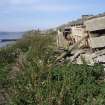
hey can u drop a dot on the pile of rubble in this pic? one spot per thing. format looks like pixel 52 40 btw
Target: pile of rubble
pixel 84 40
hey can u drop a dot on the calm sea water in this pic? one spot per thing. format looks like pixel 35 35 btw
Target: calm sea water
pixel 9 36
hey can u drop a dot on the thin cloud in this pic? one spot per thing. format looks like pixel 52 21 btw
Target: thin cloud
pixel 40 8
pixel 44 13
pixel 36 5
pixel 54 8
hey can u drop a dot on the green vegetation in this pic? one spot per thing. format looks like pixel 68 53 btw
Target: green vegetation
pixel 29 76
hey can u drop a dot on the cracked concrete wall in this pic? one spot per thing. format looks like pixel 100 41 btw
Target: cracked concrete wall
pixel 61 41
pixel 94 24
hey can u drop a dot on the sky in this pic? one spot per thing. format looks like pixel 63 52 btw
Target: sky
pixel 23 15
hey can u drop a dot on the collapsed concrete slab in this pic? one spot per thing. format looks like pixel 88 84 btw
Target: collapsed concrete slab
pixel 95 27
pixel 88 33
pixel 95 23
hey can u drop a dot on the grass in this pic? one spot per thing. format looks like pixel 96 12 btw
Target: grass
pixel 38 81
pixel 62 85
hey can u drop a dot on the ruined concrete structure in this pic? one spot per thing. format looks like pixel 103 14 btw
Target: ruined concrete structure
pixel 93 26
pixel 87 35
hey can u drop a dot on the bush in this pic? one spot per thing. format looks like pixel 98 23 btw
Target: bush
pixel 67 85
pixel 40 82
pixel 8 55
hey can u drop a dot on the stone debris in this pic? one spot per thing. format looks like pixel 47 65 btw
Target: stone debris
pixel 83 40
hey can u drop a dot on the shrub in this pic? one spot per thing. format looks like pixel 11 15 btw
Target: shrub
pixel 8 55
pixel 67 85
pixel 41 82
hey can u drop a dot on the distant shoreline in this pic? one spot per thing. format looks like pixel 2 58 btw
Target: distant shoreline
pixel 11 33
pixel 7 38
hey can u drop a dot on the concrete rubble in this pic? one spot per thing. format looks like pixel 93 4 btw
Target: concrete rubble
pixel 84 39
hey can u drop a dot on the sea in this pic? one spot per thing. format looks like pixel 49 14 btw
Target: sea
pixel 9 36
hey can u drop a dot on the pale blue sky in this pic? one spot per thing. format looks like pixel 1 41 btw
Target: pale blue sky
pixel 21 15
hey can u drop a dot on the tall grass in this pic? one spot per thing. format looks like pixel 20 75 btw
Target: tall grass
pixel 63 85
pixel 40 82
